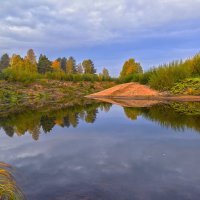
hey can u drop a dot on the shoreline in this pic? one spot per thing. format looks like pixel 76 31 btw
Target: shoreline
pixel 136 91
pixel 156 98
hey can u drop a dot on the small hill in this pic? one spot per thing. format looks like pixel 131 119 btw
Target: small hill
pixel 126 90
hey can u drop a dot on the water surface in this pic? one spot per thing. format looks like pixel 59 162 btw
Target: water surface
pixel 103 151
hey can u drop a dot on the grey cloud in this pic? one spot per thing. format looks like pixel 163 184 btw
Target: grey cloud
pixel 65 23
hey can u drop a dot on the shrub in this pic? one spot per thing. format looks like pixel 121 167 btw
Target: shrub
pixel 8 186
pixel 22 76
pixel 190 86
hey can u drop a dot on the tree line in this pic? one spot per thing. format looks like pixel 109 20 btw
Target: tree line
pixel 163 77
pixel 28 68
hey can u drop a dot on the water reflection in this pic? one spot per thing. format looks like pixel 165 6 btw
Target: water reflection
pixel 33 121
pixel 101 151
pixel 177 116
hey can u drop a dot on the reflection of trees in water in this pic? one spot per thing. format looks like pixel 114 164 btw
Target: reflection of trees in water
pixel 35 132
pixel 177 116
pixel 105 106
pixel 9 130
pixel 132 113
pixel 47 123
pixel 33 121
pixel 91 116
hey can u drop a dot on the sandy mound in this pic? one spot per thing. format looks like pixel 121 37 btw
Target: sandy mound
pixel 126 90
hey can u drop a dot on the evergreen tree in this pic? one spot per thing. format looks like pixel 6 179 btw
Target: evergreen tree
pixel 4 62
pixel 88 67
pixel 47 123
pixel 71 65
pixel 44 64
pixel 63 63
pixel 9 130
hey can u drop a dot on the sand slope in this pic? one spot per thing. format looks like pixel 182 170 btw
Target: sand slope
pixel 126 90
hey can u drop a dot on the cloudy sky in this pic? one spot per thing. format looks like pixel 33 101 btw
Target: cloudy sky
pixel 107 31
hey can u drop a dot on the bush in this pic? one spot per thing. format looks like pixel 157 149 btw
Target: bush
pixel 190 86
pixel 166 76
pixel 22 76
pixel 10 74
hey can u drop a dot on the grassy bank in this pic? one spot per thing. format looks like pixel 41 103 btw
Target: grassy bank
pixel 17 95
pixel 167 76
pixel 189 86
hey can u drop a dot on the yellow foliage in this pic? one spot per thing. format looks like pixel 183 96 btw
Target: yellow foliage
pixel 56 65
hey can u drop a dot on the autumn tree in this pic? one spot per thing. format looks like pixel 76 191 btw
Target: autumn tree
pixel 56 65
pixel 35 132
pixel 88 67
pixel 105 73
pixel 16 62
pixel 29 66
pixel 23 66
pixel 21 69
pixel 130 67
pixel 71 65
pixel 44 64
pixel 31 56
pixel 4 62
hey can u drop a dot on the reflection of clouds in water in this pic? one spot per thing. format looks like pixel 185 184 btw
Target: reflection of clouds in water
pixel 70 166
pixel 107 163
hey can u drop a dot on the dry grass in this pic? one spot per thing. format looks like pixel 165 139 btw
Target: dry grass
pixel 9 189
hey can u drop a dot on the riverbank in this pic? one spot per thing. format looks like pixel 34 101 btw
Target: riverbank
pixel 16 96
pixel 136 91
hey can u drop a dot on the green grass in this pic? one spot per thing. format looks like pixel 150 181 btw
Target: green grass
pixel 17 95
pixel 190 86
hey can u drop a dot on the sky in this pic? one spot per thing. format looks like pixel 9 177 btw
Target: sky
pixel 106 31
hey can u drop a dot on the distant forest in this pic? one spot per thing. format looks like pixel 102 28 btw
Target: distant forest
pixel 16 68
pixel 29 69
